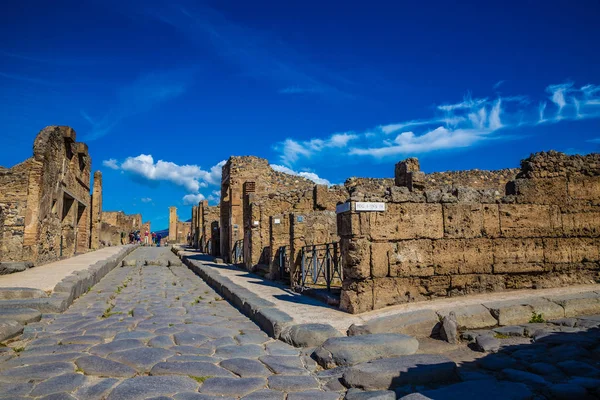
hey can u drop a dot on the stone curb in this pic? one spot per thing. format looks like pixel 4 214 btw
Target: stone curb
pixel 262 312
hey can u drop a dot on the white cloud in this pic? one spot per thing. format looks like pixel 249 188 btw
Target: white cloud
pixel 215 197
pixel 146 199
pixel 193 199
pixel 191 177
pixel 308 175
pixel 111 163
pixel 292 150
pixel 456 125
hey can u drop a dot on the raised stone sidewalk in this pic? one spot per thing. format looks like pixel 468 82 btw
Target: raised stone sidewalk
pixel 417 319
pixel 24 296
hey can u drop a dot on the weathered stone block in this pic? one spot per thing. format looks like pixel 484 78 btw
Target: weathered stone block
pixel 478 257
pixel 470 220
pixel 357 255
pixel 380 259
pixel 510 312
pixel 476 283
pixel 530 220
pixel 540 191
pixel 389 291
pixel 357 297
pixel 582 221
pixel 412 258
pixel 471 317
pixel 448 254
pixel 584 187
pixel 556 250
pixel 517 251
pixel 415 323
pixel 407 221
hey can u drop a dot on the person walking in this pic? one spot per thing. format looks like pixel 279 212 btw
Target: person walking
pixel 146 238
pixel 158 238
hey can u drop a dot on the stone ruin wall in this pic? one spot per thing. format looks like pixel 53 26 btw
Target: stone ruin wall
pixel 541 231
pixel 116 227
pixel 46 200
pixel 209 231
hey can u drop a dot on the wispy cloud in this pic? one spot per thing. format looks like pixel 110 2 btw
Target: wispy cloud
pixel 146 200
pixel 24 78
pixel 498 84
pixel 455 125
pixel 305 174
pixel 192 199
pixel 255 53
pixel 140 96
pixel 291 150
pixel 111 163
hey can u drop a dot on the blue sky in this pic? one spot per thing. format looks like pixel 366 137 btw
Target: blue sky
pixel 164 91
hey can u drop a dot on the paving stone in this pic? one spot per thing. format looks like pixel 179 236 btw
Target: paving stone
pixel 389 373
pixel 564 322
pixel 97 366
pixel 143 387
pixel 354 394
pixel 487 344
pixel 245 367
pixel 134 335
pixel 313 395
pixel 9 329
pixel 340 351
pixel 43 359
pixel 525 377
pixel 191 350
pixel 36 372
pixel 21 315
pixel 61 383
pixel 578 304
pixel 497 362
pixel 232 386
pixel 58 396
pixel 193 368
pixel 567 391
pixel 546 370
pixel 518 331
pixel 487 389
pixel 141 359
pixel 15 389
pixel 243 351
pixel 84 339
pixel 190 339
pixel 18 293
pixel 264 394
pixel 471 317
pixel 96 390
pixel 292 383
pixel 308 335
pixel 116 345
pixel 578 368
pixel 252 338
pixel 162 341
pixel 284 365
pixel 416 323
pixel 198 396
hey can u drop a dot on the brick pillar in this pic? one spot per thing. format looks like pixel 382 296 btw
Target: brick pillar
pixel 172 225
pixel 96 217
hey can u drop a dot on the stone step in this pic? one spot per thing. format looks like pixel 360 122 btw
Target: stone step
pixel 13 293
pixel 21 315
pixel 417 323
pixel 390 373
pixel 352 350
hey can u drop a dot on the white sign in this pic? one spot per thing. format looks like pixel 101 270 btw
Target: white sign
pixel 276 221
pixel 342 208
pixel 369 206
pixel 256 223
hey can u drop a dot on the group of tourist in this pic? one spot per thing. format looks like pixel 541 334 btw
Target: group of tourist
pixel 147 238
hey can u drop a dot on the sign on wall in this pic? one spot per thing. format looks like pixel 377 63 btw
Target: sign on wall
pixel 369 206
pixel 342 208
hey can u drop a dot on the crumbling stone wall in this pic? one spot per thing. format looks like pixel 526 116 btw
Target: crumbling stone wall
pixel 542 231
pixel 209 235
pixel 116 227
pixel 46 200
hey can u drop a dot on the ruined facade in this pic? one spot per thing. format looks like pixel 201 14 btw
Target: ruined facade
pixel 205 228
pixel 178 230
pixel 45 200
pixel 116 227
pixel 265 213
pixel 449 234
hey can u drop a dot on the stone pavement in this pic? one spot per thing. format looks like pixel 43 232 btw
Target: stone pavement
pixel 46 277
pixel 155 331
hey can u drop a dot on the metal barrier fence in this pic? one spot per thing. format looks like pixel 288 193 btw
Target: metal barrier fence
pixel 237 254
pixel 321 263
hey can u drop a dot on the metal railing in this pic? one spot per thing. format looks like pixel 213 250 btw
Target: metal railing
pixel 321 265
pixel 237 254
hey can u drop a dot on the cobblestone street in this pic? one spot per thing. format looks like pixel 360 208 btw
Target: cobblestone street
pixel 154 331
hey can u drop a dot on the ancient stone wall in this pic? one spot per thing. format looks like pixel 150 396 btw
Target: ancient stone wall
pixel 209 235
pixel 173 224
pixel 116 227
pixel 46 200
pixel 543 231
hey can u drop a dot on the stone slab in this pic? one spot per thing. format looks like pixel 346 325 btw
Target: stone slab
pixel 414 323
pixel 21 315
pixel 481 389
pixel 17 293
pixel 389 373
pixel 475 316
pixel 308 335
pixel 352 350
pixel 9 329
